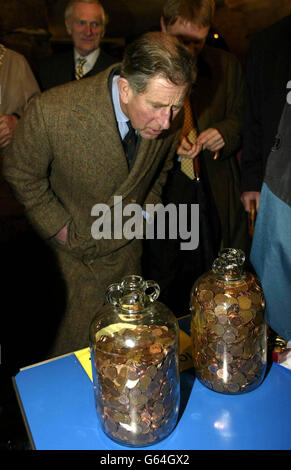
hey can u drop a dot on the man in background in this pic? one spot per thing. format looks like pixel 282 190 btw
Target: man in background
pixel 18 86
pixel 215 109
pixel 268 72
pixel 85 22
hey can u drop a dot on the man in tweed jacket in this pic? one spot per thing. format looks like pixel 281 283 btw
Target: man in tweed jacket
pixel 67 156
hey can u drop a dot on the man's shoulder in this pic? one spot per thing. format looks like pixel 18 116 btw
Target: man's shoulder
pixel 215 56
pixel 77 91
pixel 57 59
pixel 15 58
pixel 14 54
pixel 107 58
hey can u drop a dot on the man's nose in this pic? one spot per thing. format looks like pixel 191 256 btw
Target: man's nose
pixel 165 118
pixel 88 29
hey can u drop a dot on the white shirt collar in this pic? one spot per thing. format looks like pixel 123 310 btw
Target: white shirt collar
pixel 90 59
pixel 121 118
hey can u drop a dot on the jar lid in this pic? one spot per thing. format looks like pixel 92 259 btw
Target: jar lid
pixel 133 293
pixel 229 264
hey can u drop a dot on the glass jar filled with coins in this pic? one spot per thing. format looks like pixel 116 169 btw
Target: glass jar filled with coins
pixel 228 331
pixel 134 353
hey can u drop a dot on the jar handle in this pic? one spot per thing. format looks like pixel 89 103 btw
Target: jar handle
pixel 156 290
pixel 113 293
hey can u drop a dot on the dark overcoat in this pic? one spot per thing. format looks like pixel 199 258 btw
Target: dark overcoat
pixel 59 69
pixel 217 101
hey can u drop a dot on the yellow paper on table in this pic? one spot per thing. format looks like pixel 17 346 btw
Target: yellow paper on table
pixel 185 353
pixel 185 358
pixel 84 357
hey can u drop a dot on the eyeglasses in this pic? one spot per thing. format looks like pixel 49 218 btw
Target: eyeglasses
pixel 189 41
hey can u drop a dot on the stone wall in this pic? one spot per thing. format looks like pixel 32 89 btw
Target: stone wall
pixel 24 27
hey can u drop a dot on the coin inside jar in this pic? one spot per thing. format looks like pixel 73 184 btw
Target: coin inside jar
pixel 144 385
pixel 220 310
pixel 244 302
pixel 221 349
pixel 205 295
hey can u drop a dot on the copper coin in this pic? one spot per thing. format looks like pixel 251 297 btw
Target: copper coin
pixel 244 302
pixel 255 298
pixel 235 320
pixel 243 332
pixel 218 329
pixel 155 348
pixel 229 337
pixel 157 332
pixel 233 309
pixel 110 372
pixel 246 316
pixel 238 378
pixel 142 400
pixel 222 319
pixel 220 299
pixel 210 316
pixel 230 301
pixel 236 350
pixel 220 310
pixel 232 388
pixel 205 295
pixel 144 382
pixel 123 399
pixel 135 392
pixel 132 374
pixel 110 425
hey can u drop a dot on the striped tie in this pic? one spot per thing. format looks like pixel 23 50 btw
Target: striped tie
pixel 79 73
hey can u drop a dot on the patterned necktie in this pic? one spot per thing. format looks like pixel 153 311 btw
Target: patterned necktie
pixel 129 144
pixel 189 166
pixel 79 73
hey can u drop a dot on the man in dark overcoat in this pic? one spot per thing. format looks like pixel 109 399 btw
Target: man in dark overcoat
pixel 85 22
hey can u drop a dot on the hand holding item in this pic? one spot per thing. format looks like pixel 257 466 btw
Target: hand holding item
pixel 187 148
pixel 249 196
pixel 211 139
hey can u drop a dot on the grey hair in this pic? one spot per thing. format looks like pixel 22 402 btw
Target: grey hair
pixel 153 54
pixel 71 3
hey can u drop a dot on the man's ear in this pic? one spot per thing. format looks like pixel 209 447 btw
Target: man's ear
pixel 68 27
pixel 163 26
pixel 124 90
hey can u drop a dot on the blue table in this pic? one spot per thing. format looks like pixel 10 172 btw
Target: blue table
pixel 57 403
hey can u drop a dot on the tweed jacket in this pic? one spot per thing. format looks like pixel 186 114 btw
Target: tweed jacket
pixel 66 157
